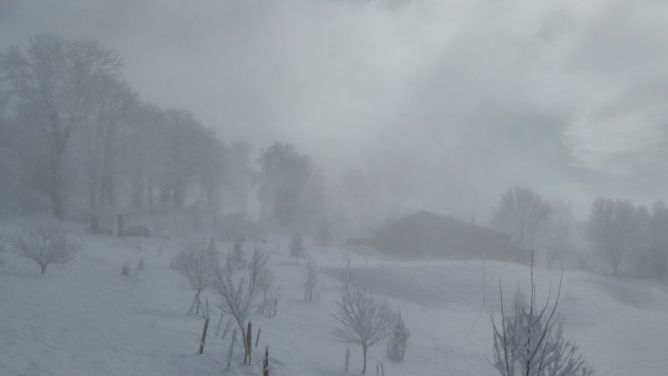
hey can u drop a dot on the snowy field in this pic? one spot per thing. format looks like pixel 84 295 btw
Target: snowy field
pixel 89 320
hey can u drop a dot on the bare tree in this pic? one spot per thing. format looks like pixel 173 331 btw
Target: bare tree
pixel 113 102
pixel 46 244
pixel 365 320
pixel 558 238
pixel 521 214
pixel 54 79
pixel 240 291
pixel 297 247
pixel 529 340
pixel 611 229
pixel 283 176
pixel 659 235
pixel 312 281
pixel 197 264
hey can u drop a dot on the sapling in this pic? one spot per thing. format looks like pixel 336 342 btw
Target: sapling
pixel 46 244
pixel 365 320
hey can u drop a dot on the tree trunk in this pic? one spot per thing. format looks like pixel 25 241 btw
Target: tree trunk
pixel 265 364
pixel 203 340
pixel 194 307
pixel 230 350
pixel 364 349
pixel 249 344
pixel 108 170
pixel 57 145
pixel 43 268
pixel 197 304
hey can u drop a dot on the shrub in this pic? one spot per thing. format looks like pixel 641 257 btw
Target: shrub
pixel 45 245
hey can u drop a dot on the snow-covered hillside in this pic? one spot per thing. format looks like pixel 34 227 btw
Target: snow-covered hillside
pixel 89 320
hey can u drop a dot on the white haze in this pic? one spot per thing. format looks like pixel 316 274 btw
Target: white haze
pixel 449 102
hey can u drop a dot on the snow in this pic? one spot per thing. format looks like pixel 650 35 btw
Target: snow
pixel 87 319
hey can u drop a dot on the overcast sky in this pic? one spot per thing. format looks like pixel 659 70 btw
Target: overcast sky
pixel 462 97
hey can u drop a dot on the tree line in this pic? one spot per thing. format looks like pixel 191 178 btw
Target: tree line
pixel 618 232
pixel 75 137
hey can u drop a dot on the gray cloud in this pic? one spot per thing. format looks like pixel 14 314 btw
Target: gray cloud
pixel 465 97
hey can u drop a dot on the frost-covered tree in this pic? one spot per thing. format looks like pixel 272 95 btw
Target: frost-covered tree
pixel 659 241
pixel 559 234
pixel 240 290
pixel 197 264
pixel 364 320
pixel 312 281
pixel 521 214
pixel 297 250
pixel 113 102
pixel 46 244
pixel 283 176
pixel 612 229
pixel 529 340
pixel 54 80
pixel 398 341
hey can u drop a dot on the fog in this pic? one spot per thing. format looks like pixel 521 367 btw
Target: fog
pixel 333 187
pixel 469 96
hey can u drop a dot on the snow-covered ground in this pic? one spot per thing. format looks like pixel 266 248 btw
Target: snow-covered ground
pixel 89 320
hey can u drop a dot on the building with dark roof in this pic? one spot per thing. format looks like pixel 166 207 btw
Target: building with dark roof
pixel 431 235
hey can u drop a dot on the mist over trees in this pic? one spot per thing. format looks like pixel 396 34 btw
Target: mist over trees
pixel 559 237
pixel 76 139
pixel 345 183
pixel 611 229
pixel 54 82
pixel 521 214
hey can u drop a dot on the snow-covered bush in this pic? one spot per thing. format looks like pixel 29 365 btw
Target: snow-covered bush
pixel 197 263
pixel 529 340
pixel 365 320
pixel 398 341
pixel 45 244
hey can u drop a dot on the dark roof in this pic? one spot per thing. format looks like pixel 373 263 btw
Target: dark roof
pixel 428 234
